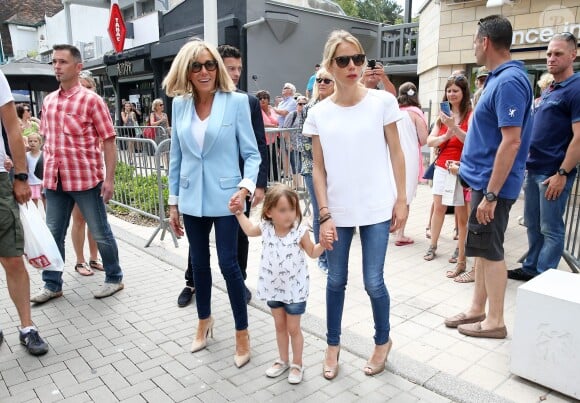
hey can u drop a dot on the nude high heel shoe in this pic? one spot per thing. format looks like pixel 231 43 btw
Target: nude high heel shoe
pixel 242 356
pixel 204 329
pixel 373 369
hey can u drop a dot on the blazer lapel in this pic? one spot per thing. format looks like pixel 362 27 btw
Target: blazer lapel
pixel 186 123
pixel 216 119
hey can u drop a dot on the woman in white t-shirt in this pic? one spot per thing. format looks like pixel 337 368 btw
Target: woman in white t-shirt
pixel 357 183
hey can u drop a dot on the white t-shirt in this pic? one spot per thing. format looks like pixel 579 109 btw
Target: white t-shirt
pixel 359 179
pixel 5 97
pixel 198 129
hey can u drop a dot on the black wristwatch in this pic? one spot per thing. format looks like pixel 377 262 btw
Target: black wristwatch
pixel 21 177
pixel 490 197
pixel 562 172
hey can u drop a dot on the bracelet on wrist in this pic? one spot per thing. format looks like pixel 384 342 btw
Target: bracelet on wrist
pixel 324 218
pixel 322 208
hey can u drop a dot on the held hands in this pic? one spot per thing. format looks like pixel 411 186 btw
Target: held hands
pixel 328 234
pixel 174 222
pixel 237 202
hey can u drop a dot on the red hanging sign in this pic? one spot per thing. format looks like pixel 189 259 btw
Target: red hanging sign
pixel 117 29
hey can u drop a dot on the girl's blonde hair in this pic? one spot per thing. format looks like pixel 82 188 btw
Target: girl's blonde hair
pixel 334 39
pixel 35 135
pixel 177 80
pixel 321 73
pixel 274 194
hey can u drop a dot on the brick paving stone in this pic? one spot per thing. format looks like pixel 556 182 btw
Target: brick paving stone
pixel 135 390
pixel 63 378
pixel 52 359
pixel 211 396
pixel 145 375
pixel 114 381
pixel 81 387
pixel 167 383
pixel 77 365
pixel 125 367
pixel 48 393
pixel 13 376
pixel 80 398
pixel 29 385
pixel 157 396
pixel 102 394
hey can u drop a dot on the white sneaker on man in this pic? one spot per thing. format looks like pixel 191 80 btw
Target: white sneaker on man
pixel 45 295
pixel 108 289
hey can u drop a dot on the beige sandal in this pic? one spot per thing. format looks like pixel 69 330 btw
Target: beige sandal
pixel 459 268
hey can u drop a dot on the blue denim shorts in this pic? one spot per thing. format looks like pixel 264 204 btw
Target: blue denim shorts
pixel 296 308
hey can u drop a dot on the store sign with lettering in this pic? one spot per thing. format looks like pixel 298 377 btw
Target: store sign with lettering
pixel 125 68
pixel 542 35
pixel 117 29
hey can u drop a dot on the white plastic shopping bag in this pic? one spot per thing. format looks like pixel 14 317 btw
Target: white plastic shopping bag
pixel 452 192
pixel 39 245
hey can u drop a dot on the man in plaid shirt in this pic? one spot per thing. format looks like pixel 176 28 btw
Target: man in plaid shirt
pixel 75 121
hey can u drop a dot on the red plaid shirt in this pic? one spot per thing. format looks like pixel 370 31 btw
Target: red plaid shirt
pixel 73 124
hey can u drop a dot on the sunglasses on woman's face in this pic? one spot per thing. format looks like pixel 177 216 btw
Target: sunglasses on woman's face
pixel 343 61
pixel 210 65
pixel 323 80
pixel 301 103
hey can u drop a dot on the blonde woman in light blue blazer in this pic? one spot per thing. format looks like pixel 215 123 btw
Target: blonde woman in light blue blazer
pixel 211 129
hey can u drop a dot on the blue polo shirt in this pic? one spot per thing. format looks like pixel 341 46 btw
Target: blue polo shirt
pixel 505 102
pixel 559 108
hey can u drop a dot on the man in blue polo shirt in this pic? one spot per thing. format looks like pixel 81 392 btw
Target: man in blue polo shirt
pixel 492 164
pixel 551 165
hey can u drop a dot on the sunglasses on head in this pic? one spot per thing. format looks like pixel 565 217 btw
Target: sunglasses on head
pixel 210 65
pixel 26 110
pixel 323 80
pixel 458 77
pixel 343 61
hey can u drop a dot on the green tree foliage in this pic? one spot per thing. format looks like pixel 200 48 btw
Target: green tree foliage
pixel 349 7
pixel 385 11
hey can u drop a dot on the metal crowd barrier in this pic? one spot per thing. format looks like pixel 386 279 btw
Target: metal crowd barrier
pixel 143 164
pixel 572 222
pixel 285 163
pixel 141 175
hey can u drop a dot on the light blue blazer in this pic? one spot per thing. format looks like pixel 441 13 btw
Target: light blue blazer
pixel 202 181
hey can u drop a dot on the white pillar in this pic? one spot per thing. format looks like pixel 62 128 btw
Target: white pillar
pixel 210 22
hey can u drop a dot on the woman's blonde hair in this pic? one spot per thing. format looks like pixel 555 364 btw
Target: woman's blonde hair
pixel 177 80
pixel 545 80
pixel 90 80
pixel 156 102
pixel 274 194
pixel 321 73
pixel 334 39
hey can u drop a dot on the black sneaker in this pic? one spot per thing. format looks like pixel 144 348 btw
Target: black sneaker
pixel 248 295
pixel 519 274
pixel 185 297
pixel 33 342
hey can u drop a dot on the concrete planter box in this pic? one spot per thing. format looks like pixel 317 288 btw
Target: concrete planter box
pixel 546 336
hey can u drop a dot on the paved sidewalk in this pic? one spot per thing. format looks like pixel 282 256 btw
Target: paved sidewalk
pixel 134 346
